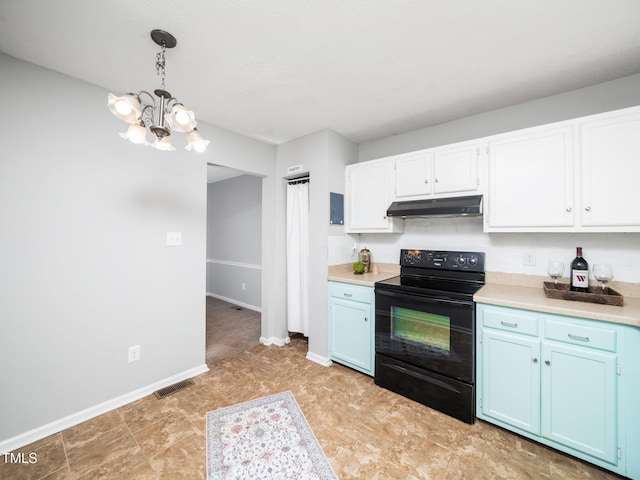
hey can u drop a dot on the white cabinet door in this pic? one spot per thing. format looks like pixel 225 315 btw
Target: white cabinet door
pixel 368 195
pixel 413 174
pixel 455 169
pixel 438 171
pixel 531 176
pixel 610 156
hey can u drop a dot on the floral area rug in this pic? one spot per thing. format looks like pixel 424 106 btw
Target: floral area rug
pixel 267 438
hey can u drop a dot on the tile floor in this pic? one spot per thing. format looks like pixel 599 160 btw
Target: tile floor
pixel 365 431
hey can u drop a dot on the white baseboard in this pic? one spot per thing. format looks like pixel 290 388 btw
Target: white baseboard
pixel 56 426
pixel 324 361
pixel 280 342
pixel 235 302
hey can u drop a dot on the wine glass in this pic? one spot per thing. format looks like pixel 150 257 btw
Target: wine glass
pixel 555 270
pixel 603 273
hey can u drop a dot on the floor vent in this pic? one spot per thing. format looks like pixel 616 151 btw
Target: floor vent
pixel 176 387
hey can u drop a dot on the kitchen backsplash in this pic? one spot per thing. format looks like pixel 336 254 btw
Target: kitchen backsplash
pixel 505 252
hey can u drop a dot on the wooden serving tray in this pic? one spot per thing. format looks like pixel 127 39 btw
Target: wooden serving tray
pixel 594 295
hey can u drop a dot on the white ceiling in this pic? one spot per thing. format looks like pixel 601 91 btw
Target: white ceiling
pixel 279 69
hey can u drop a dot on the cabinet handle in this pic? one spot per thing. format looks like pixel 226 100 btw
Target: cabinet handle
pixel 569 209
pixel 507 324
pixel 588 209
pixel 437 180
pixel 348 294
pixel 578 337
pixel 547 362
pixel 366 319
pixel 535 359
pixel 426 181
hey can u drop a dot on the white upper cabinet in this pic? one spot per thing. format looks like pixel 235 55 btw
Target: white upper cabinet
pixel 455 168
pixel 575 176
pixel 610 156
pixel 413 174
pixel 578 175
pixel 442 171
pixel 531 175
pixel 368 194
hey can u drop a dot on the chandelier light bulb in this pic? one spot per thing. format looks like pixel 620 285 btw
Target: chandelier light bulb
pixel 182 118
pixel 136 134
pixel 196 142
pixel 200 147
pixel 164 144
pixel 123 107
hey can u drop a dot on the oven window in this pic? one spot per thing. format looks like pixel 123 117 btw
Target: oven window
pixel 421 328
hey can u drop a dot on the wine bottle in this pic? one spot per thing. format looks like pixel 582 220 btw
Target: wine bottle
pixel 579 273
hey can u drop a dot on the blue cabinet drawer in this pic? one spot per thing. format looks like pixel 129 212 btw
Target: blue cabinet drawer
pixel 579 334
pixel 515 321
pixel 346 291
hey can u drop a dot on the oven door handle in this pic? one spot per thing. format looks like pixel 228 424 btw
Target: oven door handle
pixel 425 299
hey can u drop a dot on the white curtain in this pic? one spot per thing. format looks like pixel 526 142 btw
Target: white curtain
pixel 298 257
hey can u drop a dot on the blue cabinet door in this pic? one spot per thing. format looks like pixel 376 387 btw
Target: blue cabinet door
pixel 350 334
pixel 579 399
pixel 511 379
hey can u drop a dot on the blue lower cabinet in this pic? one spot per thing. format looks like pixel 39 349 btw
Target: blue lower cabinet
pixel 511 379
pixel 566 382
pixel 351 326
pixel 579 401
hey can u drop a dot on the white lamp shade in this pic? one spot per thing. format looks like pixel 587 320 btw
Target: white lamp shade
pixel 180 119
pixel 125 107
pixel 135 134
pixel 163 144
pixel 196 142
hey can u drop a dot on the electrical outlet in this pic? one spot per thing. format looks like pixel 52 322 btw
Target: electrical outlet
pixel 174 239
pixel 529 258
pixel 244 286
pixel 134 353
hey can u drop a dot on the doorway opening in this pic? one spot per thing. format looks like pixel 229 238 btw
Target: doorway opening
pixel 234 263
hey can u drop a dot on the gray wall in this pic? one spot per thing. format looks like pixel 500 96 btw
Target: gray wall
pixel 234 243
pixel 620 93
pixel 85 269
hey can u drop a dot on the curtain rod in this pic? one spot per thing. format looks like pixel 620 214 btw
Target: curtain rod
pixel 293 181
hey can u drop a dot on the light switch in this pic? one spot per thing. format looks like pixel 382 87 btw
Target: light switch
pixel 174 239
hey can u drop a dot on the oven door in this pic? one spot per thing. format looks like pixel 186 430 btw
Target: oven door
pixel 436 334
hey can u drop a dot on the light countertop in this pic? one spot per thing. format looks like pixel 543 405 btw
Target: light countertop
pixel 517 291
pixel 380 271
pixel 533 298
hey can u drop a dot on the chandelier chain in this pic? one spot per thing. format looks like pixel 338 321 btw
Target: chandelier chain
pixel 160 64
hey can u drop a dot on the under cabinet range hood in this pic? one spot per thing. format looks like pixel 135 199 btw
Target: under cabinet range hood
pixel 449 207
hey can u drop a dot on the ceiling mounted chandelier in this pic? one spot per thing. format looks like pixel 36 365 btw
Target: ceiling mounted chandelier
pixel 161 113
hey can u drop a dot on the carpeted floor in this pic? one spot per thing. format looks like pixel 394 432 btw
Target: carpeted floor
pixel 230 329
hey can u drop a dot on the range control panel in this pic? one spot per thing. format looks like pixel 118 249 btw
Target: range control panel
pixel 445 260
